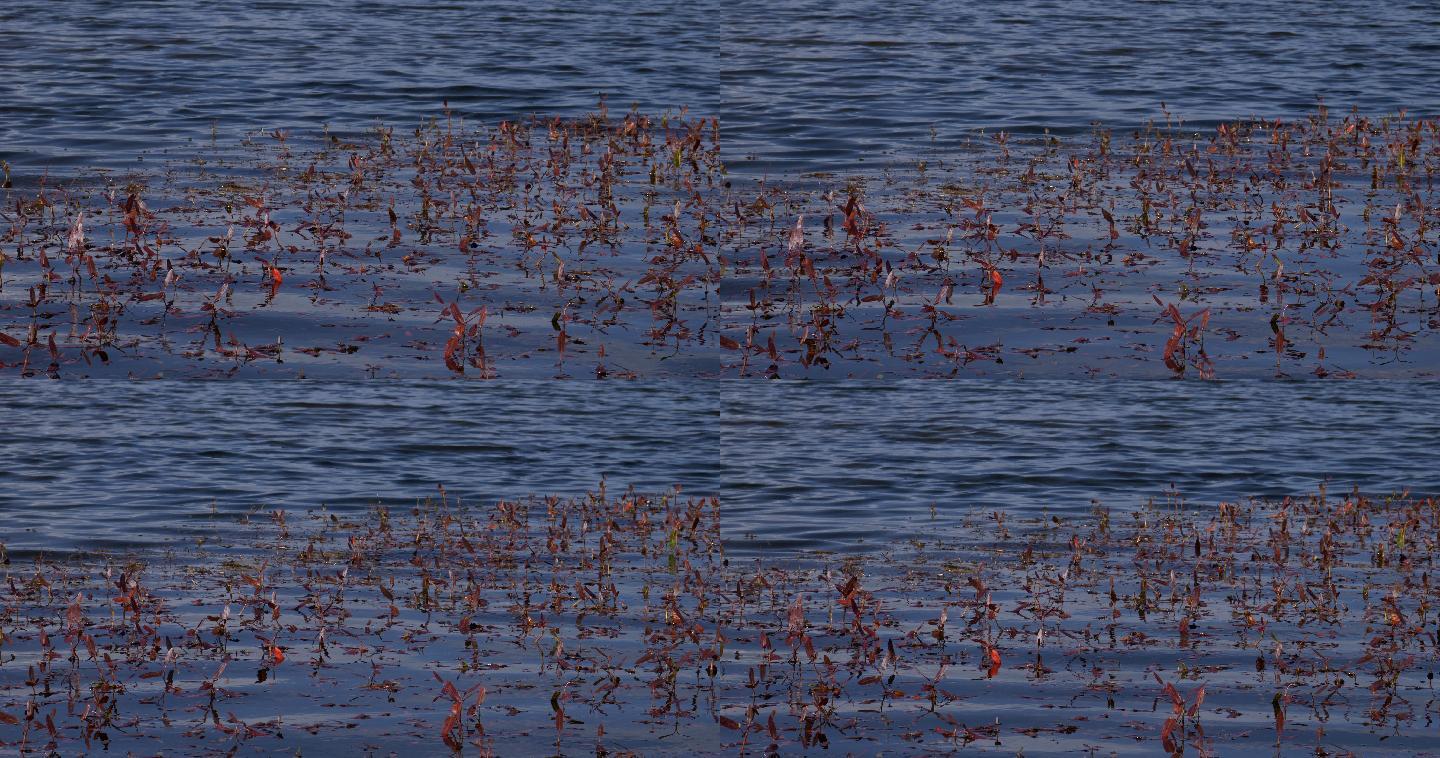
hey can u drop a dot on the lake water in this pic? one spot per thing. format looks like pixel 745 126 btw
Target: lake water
pixel 120 465
pixel 832 89
pixel 849 467
pixel 859 467
pixel 812 478
pixel 799 86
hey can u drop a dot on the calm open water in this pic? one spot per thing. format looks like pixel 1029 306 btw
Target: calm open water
pixel 797 85
pixel 840 466
pixel 856 467
pixel 119 465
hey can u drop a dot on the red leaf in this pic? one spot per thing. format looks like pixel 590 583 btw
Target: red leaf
pixel 74 615
pixel 451 362
pixel 1165 739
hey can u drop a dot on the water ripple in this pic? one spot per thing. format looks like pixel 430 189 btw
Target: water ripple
pixel 855 466
pixel 94 464
pixel 799 85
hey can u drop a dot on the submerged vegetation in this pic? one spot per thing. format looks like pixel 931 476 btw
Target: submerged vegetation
pixel 614 623
pixel 620 246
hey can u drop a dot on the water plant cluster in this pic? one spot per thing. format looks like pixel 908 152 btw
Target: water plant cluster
pixel 615 623
pixel 622 246
pixel 575 245
pixel 1255 248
